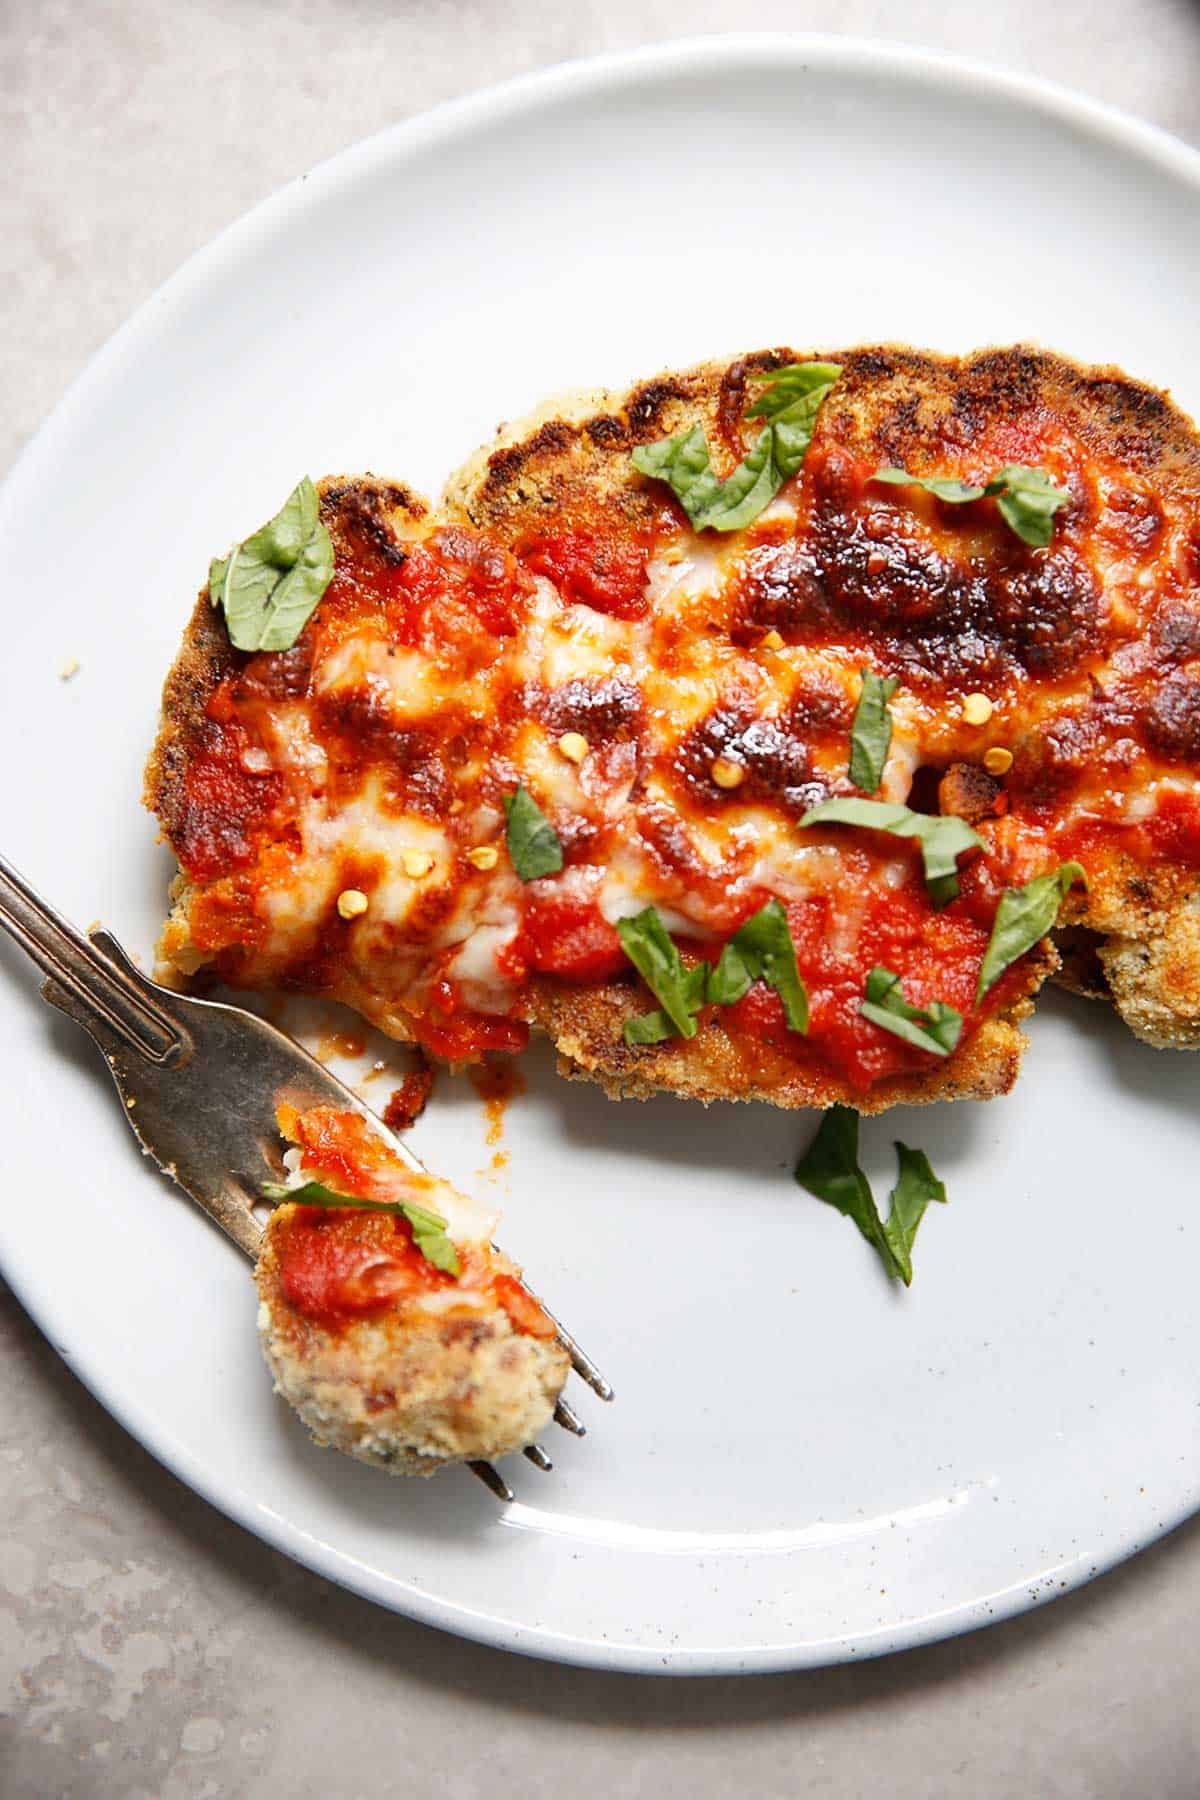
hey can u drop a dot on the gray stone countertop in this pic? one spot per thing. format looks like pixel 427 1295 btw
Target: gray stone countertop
pixel 149 1647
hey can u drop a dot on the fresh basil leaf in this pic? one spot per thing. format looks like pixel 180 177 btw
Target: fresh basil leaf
pixel 534 847
pixel 942 837
pixel 762 950
pixel 218 568
pixel 1027 499
pixel 1023 917
pixel 685 464
pixel 936 1028
pixel 269 586
pixel 916 1185
pixel 428 1228
pixel 945 487
pixel 871 732
pixel 647 944
pixel 793 385
pixel 654 1027
pixel 711 504
pixel 429 1235
pixel 829 1169
pixel 792 400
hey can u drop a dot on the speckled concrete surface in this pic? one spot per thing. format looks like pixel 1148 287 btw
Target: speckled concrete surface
pixel 149 1648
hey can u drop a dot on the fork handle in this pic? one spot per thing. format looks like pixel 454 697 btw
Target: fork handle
pixel 108 992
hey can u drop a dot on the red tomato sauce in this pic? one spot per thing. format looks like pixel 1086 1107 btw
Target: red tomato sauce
pixel 938 955
pixel 569 938
pixel 227 805
pixel 593 568
pixel 337 1265
pixel 449 1029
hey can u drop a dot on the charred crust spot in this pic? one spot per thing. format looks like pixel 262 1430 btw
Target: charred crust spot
pixel 899 430
pixel 607 431
pixel 608 711
pixel 895 581
pixel 662 830
pixel 359 513
pixel 781 588
pixel 279 675
pixel 818 705
pixel 1175 633
pixel 360 731
pixel 875 365
pixel 1050 763
pixel 505 467
pixel 648 403
pixel 776 759
pixel 1049 613
pixel 1139 518
pixel 1172 722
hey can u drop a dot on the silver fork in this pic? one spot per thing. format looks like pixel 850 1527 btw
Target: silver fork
pixel 200 1082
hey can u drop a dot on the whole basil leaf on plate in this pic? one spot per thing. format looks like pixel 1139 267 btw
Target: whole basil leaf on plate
pixel 871 732
pixel 680 993
pixel 935 1028
pixel 762 950
pixel 428 1228
pixel 916 1185
pixel 1023 917
pixel 830 1170
pixel 534 847
pixel 269 586
pixel 942 837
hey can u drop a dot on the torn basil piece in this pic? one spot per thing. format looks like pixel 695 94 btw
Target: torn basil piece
pixel 762 950
pixel 679 992
pixel 1023 917
pixel 936 1028
pixel 871 732
pixel 428 1228
pixel 1026 499
pixel 942 837
pixel 534 847
pixel 790 402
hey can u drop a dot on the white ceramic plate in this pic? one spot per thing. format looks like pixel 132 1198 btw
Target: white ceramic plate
pixel 802 1465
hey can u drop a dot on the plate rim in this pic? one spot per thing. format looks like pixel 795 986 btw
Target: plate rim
pixel 730 53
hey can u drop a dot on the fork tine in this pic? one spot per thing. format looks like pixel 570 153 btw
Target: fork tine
pixel 492 1480
pixel 581 1362
pixel 537 1456
pixel 566 1416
